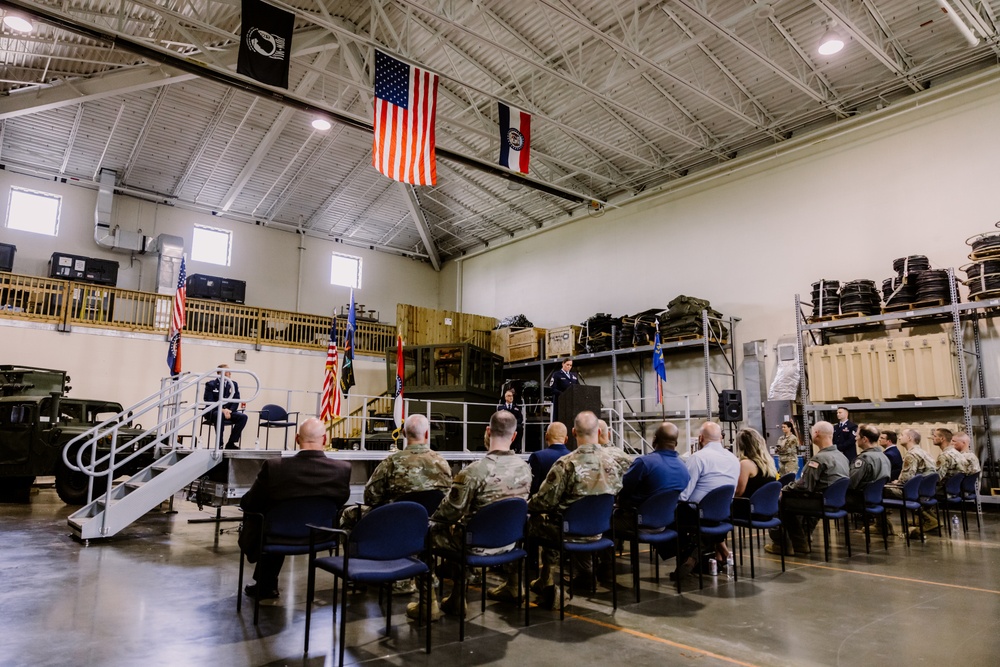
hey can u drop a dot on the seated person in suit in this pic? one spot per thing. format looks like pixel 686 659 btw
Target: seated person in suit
pixel 225 387
pixel 541 461
pixel 887 441
pixel 306 474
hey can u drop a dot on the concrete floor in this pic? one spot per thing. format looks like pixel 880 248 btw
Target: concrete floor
pixel 164 593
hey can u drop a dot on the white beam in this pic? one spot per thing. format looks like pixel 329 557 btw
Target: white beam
pixel 422 227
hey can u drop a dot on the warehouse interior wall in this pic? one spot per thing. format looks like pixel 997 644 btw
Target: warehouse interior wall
pixel 918 182
pixel 278 274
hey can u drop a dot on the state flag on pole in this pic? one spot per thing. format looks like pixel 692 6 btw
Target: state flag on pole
pixel 177 321
pixel 515 138
pixel 399 407
pixel 347 371
pixel 265 43
pixel 659 365
pixel 405 106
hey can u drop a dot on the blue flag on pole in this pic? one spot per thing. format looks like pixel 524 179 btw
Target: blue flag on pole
pixel 347 371
pixel 659 365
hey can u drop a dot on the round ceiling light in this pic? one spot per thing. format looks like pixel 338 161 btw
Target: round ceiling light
pixel 321 124
pixel 831 43
pixel 17 23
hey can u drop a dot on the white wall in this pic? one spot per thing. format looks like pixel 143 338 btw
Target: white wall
pixel 918 183
pixel 267 259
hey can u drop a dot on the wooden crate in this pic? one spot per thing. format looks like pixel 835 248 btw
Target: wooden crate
pixel 526 335
pixel 426 326
pixel 524 351
pixel 500 343
pixel 562 342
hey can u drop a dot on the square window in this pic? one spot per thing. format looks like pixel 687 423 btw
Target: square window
pixel 33 211
pixel 345 270
pixel 211 245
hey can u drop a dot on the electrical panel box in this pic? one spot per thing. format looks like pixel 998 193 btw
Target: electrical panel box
pixel 7 256
pixel 83 269
pixel 215 288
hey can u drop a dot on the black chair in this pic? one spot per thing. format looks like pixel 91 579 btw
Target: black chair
pixel 874 508
pixel 910 502
pixel 970 494
pixel 212 421
pixel 759 512
pixel 590 515
pixel 285 532
pixel 496 525
pixel 383 548
pixel 651 523
pixel 274 416
pixel 786 479
pixel 927 500
pixel 713 519
pixel 951 495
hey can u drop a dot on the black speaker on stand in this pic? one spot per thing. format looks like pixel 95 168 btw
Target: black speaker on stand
pixel 730 405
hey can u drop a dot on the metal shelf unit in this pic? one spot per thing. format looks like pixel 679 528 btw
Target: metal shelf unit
pixel 958 314
pixel 708 345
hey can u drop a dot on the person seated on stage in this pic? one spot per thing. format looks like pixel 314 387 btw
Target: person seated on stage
pixel 887 441
pixel 916 461
pixel 308 473
pixel 604 440
pixel 710 467
pixel 823 469
pixel 870 465
pixel 541 461
pixel 499 475
pixel 589 470
pixel 226 388
pixel 970 461
pixel 510 406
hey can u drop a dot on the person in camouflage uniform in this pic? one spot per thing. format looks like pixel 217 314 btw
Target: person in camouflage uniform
pixel 499 475
pixel 949 461
pixel 970 462
pixel 414 468
pixel 916 461
pixel 586 471
pixel 604 440
pixel 787 450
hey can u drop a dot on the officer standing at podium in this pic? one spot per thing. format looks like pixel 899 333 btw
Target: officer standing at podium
pixel 562 380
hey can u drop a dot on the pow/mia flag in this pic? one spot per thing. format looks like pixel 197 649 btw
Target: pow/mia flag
pixel 265 43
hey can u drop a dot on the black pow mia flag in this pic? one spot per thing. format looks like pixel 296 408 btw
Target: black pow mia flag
pixel 266 43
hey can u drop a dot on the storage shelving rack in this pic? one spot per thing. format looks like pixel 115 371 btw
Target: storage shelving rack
pixel 958 314
pixel 715 381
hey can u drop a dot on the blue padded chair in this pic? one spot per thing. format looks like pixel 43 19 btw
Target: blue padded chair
pixel 590 515
pixel 651 523
pixel 759 512
pixel 496 525
pixel 970 494
pixel 285 532
pixel 274 416
pixel 910 502
pixel 429 499
pixel 383 548
pixel 951 495
pixel 786 479
pixel 874 508
pixel 833 508
pixel 713 519
pixel 928 491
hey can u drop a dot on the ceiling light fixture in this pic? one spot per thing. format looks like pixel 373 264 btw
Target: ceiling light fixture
pixel 321 124
pixel 831 42
pixel 17 23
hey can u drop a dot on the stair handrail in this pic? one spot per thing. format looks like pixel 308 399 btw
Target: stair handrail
pixel 167 401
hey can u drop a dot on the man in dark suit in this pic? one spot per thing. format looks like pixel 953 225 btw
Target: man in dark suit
pixel 308 473
pixel 541 461
pixel 510 406
pixel 887 439
pixel 560 381
pixel 225 387
pixel 845 433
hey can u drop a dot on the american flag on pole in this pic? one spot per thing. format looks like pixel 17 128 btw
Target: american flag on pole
pixel 331 389
pixel 405 102
pixel 177 322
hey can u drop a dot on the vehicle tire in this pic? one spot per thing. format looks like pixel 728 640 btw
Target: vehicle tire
pixel 16 489
pixel 71 485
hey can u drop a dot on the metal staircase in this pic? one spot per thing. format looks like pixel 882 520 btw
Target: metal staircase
pixel 169 444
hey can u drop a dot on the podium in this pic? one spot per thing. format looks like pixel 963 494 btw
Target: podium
pixel 576 399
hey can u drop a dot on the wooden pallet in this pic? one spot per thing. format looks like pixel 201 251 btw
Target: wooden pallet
pixel 932 303
pixel 678 339
pixel 834 318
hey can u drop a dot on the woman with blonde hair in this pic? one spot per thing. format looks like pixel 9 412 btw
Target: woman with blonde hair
pixel 756 465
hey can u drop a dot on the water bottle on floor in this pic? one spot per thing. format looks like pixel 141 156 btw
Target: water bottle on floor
pixel 730 566
pixel 956 532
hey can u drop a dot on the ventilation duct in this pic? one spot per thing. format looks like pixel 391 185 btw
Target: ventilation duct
pixel 106 236
pixel 171 250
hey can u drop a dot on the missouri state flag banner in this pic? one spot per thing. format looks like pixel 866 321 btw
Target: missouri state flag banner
pixel 265 43
pixel 405 107
pixel 515 138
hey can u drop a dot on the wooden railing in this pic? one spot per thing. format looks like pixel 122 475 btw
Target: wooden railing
pixel 57 302
pixel 351 425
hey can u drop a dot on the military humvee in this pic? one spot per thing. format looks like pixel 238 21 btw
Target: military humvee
pixel 37 420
